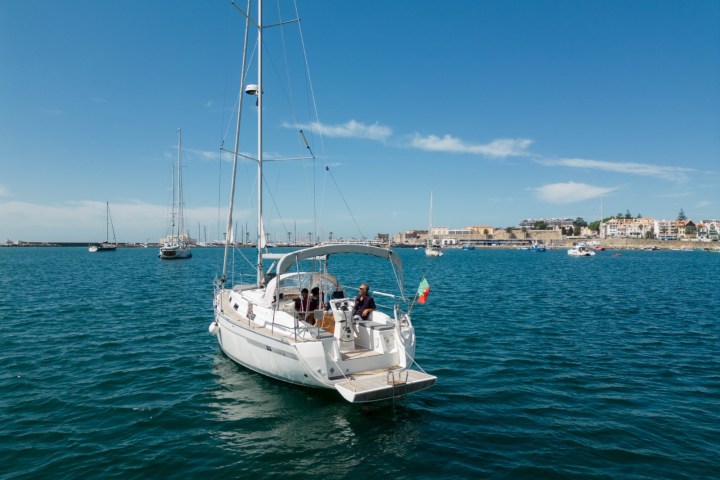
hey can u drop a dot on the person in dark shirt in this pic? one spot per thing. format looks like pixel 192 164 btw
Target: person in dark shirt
pixel 301 304
pixel 314 299
pixel 364 304
pixel 313 304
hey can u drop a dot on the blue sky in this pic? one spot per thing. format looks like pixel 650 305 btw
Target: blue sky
pixel 504 109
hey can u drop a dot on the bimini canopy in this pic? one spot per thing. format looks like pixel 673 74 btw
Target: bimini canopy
pixel 290 259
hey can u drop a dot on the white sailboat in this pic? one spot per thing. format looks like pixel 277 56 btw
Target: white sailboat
pixel 258 327
pixel 176 245
pixel 105 246
pixel 431 248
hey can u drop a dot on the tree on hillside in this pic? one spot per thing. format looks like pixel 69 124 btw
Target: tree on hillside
pixel 540 225
pixel 627 214
pixel 681 216
pixel 580 222
pixel 594 226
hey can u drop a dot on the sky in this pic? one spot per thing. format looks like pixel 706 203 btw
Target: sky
pixel 504 110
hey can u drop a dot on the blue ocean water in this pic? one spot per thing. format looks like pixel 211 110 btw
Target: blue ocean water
pixel 549 366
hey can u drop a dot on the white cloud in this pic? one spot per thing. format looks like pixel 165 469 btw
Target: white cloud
pixel 351 129
pixel 570 192
pixel 502 147
pixel 203 155
pixel 703 204
pixel 668 173
pixel 4 192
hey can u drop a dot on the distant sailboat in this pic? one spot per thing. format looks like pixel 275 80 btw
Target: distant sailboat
pixel 106 246
pixel 431 249
pixel 176 244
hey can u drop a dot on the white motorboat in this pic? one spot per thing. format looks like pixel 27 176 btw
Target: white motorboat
pixel 581 250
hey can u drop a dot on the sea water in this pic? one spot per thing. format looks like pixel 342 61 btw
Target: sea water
pixel 549 366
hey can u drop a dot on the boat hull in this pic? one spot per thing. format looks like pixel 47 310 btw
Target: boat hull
pixel 175 252
pixel 369 364
pixel 102 248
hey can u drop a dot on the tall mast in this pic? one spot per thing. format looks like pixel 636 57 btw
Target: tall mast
pixel 178 212
pixel 601 217
pixel 260 231
pixel 429 241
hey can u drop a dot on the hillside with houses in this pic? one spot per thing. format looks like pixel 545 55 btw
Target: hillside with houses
pixel 560 231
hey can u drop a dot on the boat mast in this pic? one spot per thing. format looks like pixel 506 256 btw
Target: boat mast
pixel 260 132
pixel 178 212
pixel 429 237
pixel 601 217
pixel 107 222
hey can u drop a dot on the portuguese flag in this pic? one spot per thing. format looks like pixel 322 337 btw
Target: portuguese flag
pixel 423 291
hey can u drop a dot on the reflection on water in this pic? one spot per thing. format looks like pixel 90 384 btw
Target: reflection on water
pixel 317 429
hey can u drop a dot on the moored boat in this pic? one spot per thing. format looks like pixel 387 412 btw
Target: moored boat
pixel 581 250
pixel 176 245
pixel 105 246
pixel 266 327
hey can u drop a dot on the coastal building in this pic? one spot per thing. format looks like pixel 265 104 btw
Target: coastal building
pixel 558 230
pixel 410 236
pixel 628 227
pixel 676 230
pixel 708 230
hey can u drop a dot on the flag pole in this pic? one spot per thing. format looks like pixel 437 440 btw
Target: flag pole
pixel 417 292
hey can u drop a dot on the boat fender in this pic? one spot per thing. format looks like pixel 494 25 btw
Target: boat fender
pixel 214 328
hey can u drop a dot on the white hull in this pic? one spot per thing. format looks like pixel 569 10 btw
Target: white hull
pixel 431 252
pixel 105 247
pixel 370 366
pixel 364 361
pixel 175 252
pixel 581 250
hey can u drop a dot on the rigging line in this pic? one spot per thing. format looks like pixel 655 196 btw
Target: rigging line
pixel 309 78
pixel 277 210
pixel 237 99
pixel 236 147
pixel 322 195
pixel 314 110
pixel 290 97
pixel 327 169
pixel 290 94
